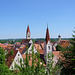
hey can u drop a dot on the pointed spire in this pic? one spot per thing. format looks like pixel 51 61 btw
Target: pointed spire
pixel 28 30
pixel 47 25
pixel 47 36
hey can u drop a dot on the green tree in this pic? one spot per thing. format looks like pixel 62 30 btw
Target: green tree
pixel 37 67
pixel 59 48
pixel 26 69
pixel 8 54
pixel 4 70
pixel 68 64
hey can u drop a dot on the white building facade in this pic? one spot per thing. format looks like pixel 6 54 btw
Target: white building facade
pixel 47 47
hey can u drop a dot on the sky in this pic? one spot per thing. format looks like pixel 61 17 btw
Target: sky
pixel 16 15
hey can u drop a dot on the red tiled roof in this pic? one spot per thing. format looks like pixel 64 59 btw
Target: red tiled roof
pixel 8 46
pixel 42 45
pixel 24 55
pixel 28 30
pixel 3 46
pixel 18 43
pixel 47 36
pixel 37 46
pixel 56 53
pixel 21 49
pixel 25 41
pixel 9 60
pixel 39 42
pixel 40 51
pixel 64 43
pixel 30 61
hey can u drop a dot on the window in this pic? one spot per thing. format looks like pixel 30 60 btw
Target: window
pixel 18 54
pixel 21 46
pixel 49 47
pixel 11 67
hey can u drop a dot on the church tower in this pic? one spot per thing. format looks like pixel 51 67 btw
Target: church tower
pixel 47 46
pixel 59 38
pixel 28 35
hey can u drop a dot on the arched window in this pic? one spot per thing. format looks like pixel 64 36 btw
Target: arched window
pixel 49 47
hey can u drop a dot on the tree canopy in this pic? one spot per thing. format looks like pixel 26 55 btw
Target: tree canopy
pixel 68 64
pixel 59 48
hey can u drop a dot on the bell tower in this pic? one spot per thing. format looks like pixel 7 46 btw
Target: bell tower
pixel 59 38
pixel 28 35
pixel 47 46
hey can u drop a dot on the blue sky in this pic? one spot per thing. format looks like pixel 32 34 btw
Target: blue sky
pixel 15 15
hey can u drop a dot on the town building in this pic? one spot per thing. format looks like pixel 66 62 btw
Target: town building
pixel 47 46
pixel 13 60
pixel 44 48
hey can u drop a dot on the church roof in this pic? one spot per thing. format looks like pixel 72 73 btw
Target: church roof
pixel 64 43
pixel 25 49
pixel 47 36
pixel 25 41
pixel 28 30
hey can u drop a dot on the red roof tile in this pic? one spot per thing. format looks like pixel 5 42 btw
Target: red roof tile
pixel 21 49
pixel 40 51
pixel 25 41
pixel 37 46
pixel 64 43
pixel 30 61
pixel 56 53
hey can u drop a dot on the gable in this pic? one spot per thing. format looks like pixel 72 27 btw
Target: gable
pixel 29 49
pixel 31 41
pixel 9 60
pixel 25 49
pixel 16 60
